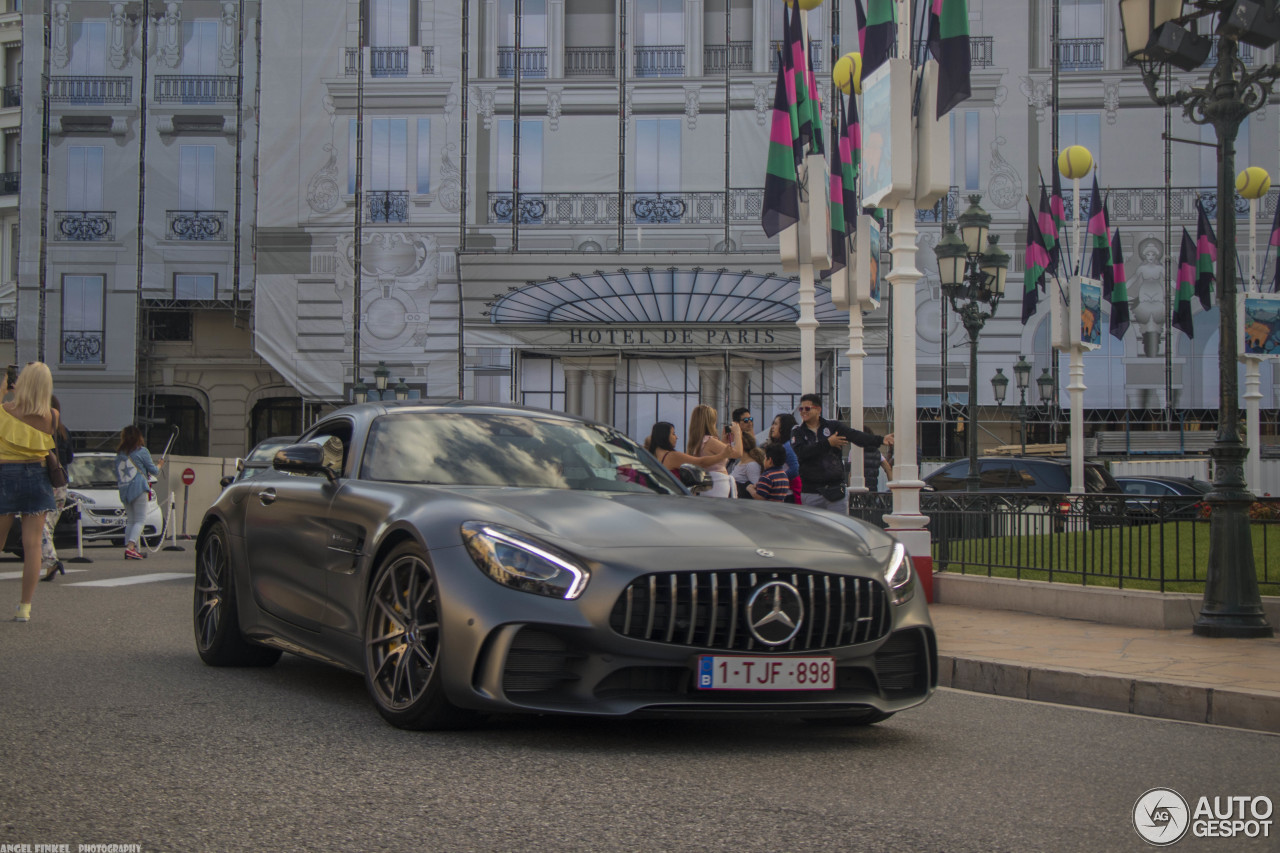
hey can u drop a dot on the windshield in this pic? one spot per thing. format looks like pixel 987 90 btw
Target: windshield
pixel 267 449
pixel 456 449
pixel 88 471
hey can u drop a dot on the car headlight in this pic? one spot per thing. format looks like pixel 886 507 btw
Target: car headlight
pixel 897 574
pixel 521 562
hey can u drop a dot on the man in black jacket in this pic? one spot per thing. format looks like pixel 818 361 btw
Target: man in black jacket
pixel 819 445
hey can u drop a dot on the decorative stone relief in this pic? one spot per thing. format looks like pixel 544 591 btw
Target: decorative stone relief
pixel 323 190
pixel 554 94
pixel 399 279
pixel 449 191
pixel 627 105
pixel 229 35
pixel 169 35
pixel 485 96
pixel 692 106
pixel 1039 95
pixel 59 51
pixel 762 104
pixel 1005 187
pixel 117 49
pixel 1111 100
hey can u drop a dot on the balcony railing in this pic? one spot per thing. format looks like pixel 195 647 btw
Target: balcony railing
pixel 90 90
pixel 815 54
pixel 533 62
pixel 936 213
pixel 428 60
pixel 383 62
pixel 981 51
pixel 660 61
pixel 388 205
pixel 10 183
pixel 589 62
pixel 736 54
pixel 202 225
pixel 1146 204
pixel 1246 53
pixel 85 226
pixel 196 89
pixel 1080 54
pixel 573 209
pixel 8 329
pixel 82 346
pixel 12 96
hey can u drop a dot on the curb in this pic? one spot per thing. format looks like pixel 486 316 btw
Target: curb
pixel 1193 703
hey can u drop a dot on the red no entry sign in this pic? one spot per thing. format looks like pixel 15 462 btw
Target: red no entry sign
pixel 188 477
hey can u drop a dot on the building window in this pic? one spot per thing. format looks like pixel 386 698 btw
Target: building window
pixel 82 319
pixel 195 287
pixel 88 49
pixel 169 326
pixel 657 162
pixel 532 207
pixel 196 177
pixel 386 147
pixel 200 47
pixel 84 177
pixel 533 38
pixel 1080 129
pixel 424 156
pixel 966 147
pixel 273 416
pixel 172 411
pixel 390 25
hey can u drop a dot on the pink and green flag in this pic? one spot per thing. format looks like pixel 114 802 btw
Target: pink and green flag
pixel 1049 231
pixel 877 30
pixel 1037 263
pixel 1119 290
pixel 1275 250
pixel 1185 287
pixel 949 44
pixel 1098 235
pixel 781 187
pixel 1206 257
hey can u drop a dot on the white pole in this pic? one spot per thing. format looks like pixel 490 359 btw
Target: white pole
pixel 905 521
pixel 1075 385
pixel 856 354
pixel 1252 373
pixel 808 323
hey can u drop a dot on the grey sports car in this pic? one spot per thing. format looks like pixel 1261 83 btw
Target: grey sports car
pixel 472 559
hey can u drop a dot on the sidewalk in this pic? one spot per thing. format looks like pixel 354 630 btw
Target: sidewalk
pixel 1171 674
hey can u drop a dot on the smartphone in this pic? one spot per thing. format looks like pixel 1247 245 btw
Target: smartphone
pixel 11 374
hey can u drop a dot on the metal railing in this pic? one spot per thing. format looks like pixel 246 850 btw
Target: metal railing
pixel 570 208
pixel 8 329
pixel 1080 54
pixel 736 54
pixel 1125 541
pixel 981 51
pixel 196 89
pixel 589 62
pixel 86 226
pixel 533 62
pixel 90 90
pixel 196 225
pixel 947 207
pixel 659 60
pixel 10 183
pixel 383 62
pixel 428 59
pixel 82 346
pixel 12 96
pixel 1146 204
pixel 388 205
pixel 815 54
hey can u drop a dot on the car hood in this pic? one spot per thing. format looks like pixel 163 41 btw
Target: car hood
pixel 607 521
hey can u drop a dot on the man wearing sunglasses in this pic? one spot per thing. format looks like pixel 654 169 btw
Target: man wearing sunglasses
pixel 819 445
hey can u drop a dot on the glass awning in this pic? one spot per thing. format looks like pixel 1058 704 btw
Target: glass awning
pixel 668 296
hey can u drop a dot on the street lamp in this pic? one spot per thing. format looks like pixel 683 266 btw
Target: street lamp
pixel 972 271
pixel 1022 377
pixel 380 375
pixel 402 390
pixel 360 392
pixel 1155 34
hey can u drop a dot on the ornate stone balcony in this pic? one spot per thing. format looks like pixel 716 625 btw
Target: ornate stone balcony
pixel 196 89
pixel 203 225
pixel 90 91
pixel 83 346
pixel 666 208
pixel 85 226
pixel 533 62
pixel 388 205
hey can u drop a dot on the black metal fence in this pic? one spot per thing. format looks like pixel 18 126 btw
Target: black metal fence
pixel 1123 541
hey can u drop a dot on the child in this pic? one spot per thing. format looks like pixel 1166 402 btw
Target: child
pixel 773 484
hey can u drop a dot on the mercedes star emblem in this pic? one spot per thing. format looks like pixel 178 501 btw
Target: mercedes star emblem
pixel 764 552
pixel 775 612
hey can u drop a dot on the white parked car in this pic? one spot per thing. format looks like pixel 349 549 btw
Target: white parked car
pixel 92 483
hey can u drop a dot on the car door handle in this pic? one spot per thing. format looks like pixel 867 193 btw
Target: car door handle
pixel 267 496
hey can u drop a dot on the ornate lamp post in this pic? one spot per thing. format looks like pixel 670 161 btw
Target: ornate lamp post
pixel 360 392
pixel 1022 377
pixel 973 271
pixel 380 376
pixel 1155 34
pixel 402 390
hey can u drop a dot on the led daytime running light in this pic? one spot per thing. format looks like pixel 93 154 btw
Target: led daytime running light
pixel 579 577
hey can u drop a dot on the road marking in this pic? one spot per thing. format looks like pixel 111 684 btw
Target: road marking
pixel 13 576
pixel 134 579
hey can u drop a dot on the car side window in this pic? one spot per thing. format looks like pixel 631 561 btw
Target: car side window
pixel 994 474
pixel 1022 478
pixel 1132 488
pixel 951 477
pixel 334 440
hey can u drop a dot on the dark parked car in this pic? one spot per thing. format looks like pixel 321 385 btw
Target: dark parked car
pixel 259 459
pixel 1018 489
pixel 1164 498
pixel 470 559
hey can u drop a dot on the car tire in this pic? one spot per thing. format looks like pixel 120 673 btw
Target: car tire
pixel 216 618
pixel 865 718
pixel 403 645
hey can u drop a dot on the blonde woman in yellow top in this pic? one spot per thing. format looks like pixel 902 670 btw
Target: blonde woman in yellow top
pixel 27 425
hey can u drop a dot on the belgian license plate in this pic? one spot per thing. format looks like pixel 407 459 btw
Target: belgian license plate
pixel 766 673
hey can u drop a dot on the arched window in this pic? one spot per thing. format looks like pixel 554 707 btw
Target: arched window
pixel 184 413
pixel 272 416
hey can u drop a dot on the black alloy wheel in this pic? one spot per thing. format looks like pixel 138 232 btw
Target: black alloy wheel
pixel 217 621
pixel 402 645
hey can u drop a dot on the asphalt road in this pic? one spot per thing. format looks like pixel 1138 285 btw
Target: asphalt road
pixel 114 732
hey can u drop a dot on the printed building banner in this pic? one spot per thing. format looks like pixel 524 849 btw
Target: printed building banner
pixel 1260 324
pixel 1090 313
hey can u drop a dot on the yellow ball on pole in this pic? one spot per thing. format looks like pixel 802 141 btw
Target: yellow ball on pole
pixel 848 72
pixel 1253 182
pixel 1075 162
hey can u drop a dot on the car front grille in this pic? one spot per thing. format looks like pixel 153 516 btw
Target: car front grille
pixel 707 610
pixel 538 662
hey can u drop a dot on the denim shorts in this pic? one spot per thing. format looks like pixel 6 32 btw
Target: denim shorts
pixel 25 488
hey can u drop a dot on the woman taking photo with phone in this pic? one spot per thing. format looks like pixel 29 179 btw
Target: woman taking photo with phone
pixel 27 427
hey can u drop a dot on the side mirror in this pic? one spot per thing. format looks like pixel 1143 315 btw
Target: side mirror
pixel 695 478
pixel 226 481
pixel 302 459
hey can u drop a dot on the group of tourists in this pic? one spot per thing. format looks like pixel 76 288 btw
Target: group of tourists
pixel 35 448
pixel 801 462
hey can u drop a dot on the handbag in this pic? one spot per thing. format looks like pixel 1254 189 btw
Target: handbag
pixel 57 474
pixel 833 494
